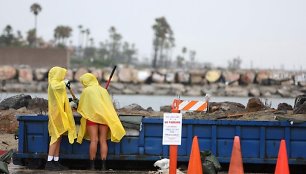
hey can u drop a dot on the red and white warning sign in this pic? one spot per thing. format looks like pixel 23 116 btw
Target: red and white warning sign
pixel 172 129
pixel 193 105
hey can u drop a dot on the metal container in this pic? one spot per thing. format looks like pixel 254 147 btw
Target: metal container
pixel 259 140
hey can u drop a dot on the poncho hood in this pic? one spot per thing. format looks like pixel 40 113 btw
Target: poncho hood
pixel 57 74
pixel 88 79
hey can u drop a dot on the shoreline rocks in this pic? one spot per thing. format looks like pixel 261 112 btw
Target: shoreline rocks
pixel 195 82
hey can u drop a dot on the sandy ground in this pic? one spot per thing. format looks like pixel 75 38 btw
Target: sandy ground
pixel 22 170
pixel 8 141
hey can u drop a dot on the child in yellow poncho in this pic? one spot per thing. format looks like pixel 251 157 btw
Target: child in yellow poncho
pixel 99 118
pixel 60 116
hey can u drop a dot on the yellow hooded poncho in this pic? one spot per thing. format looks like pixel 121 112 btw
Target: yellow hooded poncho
pixel 96 105
pixel 60 114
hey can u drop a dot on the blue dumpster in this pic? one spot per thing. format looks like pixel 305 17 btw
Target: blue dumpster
pixel 259 140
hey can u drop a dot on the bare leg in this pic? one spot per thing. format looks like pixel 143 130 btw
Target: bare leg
pixel 103 130
pixel 55 147
pixel 93 134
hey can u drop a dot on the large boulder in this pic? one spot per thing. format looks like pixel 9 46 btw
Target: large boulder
pixel 284 107
pixel 299 100
pixel 213 76
pixel 262 76
pixel 247 78
pixel 143 75
pixel 255 104
pixel 7 72
pixel 15 102
pixel 170 77
pixel 126 74
pixel 197 76
pixel 38 105
pixel 301 109
pixel 40 74
pixel 158 77
pixel 230 77
pixel 182 77
pixel 25 75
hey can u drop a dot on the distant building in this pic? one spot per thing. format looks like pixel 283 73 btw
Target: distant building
pixel 35 57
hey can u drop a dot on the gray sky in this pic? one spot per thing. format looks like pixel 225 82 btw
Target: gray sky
pixel 264 33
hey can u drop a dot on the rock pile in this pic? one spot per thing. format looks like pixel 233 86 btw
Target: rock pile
pixel 19 105
pixel 255 110
pixel 129 80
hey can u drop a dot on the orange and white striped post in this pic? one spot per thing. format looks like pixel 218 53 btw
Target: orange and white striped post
pixel 183 105
pixel 173 148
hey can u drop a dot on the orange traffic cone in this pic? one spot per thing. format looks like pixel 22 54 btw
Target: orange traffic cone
pixel 282 166
pixel 195 163
pixel 236 165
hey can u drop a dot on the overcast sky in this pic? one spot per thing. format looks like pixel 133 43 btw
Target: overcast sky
pixel 264 33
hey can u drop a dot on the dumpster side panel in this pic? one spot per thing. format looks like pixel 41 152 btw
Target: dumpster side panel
pixel 33 135
pixel 259 140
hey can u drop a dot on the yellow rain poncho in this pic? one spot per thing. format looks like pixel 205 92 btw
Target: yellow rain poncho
pixel 96 105
pixel 60 114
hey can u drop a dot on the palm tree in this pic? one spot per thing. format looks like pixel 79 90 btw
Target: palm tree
pixel 7 38
pixel 31 37
pixel 92 42
pixel 87 31
pixel 80 36
pixel 162 33
pixel 184 51
pixel 8 30
pixel 36 9
pixel 61 34
pixel 83 34
pixel 115 42
pixel 128 52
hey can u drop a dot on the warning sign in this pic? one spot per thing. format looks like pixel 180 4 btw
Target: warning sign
pixel 172 129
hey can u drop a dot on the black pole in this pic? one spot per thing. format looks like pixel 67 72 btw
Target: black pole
pixel 110 78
